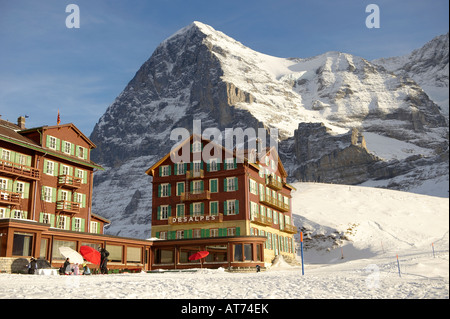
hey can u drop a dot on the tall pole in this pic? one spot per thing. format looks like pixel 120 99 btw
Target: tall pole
pixel 301 252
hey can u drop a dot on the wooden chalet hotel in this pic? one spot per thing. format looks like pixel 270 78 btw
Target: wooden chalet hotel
pixel 239 212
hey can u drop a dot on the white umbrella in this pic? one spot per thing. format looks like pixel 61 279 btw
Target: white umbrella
pixel 74 256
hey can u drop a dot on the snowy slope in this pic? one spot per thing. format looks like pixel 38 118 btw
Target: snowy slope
pixel 378 224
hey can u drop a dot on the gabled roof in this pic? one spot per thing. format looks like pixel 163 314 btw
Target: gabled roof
pixel 70 125
pixel 152 169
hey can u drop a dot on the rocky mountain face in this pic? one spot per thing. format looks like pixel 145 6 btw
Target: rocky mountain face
pixel 336 115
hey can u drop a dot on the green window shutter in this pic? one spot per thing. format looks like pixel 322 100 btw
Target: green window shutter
pixel 236 183
pixel 207 233
pixel 225 184
pixel 160 171
pixel 202 233
pixel 42 193
pixel 159 190
pixel 157 234
pixel 175 168
pixel 73 224
pixel 41 217
pixel 83 222
pixel 86 153
pixel 191 209
pixel 84 201
pixel 202 186
pixel 225 208
pixel 236 206
pixel 26 190
pixel 47 142
pixel 202 207
pixel 213 185
pixel 54 191
pixel 185 167
pixel 45 166
pixel 189 233
pixel 72 149
pixel 169 170
pixel 158 215
pixel 169 211
pixel 170 188
pixel 58 144
pixel 55 171
pixel 207 165
pixel 234 163
pixel 238 231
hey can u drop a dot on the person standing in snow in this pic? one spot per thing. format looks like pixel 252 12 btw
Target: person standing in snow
pixel 32 266
pixel 103 260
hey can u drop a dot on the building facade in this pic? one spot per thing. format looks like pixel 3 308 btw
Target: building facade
pixel 222 198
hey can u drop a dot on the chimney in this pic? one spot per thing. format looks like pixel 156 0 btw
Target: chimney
pixel 21 122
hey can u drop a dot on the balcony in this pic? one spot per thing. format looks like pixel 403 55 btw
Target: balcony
pixel 291 229
pixel 199 219
pixel 9 198
pixel 262 220
pixel 18 170
pixel 68 181
pixel 195 196
pixel 199 173
pixel 273 183
pixel 64 206
pixel 274 203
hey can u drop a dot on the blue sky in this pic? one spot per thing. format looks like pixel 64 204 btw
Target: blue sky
pixel 46 67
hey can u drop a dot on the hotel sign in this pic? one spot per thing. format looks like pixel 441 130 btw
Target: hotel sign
pixel 196 219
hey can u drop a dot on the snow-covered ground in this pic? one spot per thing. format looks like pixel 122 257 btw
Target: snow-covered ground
pixel 369 227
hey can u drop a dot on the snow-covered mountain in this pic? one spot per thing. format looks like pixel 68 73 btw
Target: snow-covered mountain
pixel 349 106
pixel 428 66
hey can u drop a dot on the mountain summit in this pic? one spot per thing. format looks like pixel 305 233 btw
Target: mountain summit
pixel 333 112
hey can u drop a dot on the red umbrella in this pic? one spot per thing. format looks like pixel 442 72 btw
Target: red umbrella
pixel 199 255
pixel 90 254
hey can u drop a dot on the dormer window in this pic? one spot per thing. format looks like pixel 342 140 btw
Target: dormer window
pixel 52 142
pixel 197 147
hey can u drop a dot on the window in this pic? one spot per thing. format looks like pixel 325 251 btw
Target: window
pixel 64 195
pixel 231 184
pixel 62 222
pixel 165 170
pixel 163 235
pixel 6 155
pixel 180 188
pixel 230 163
pixel 197 209
pixel 48 194
pixel 214 232
pixel 22 160
pixel 134 254
pixel 180 168
pixel 18 214
pixel 80 174
pixel 2 212
pixel 196 233
pixel 50 168
pixel 80 152
pixel 197 167
pixel 45 218
pixel 214 185
pixel 213 165
pixel 52 142
pixel 115 253
pixel 231 207
pixel 20 188
pixel 67 147
pixel 77 224
pixel 65 170
pixel 95 229
pixel 253 187
pixel 164 212
pixel 197 187
pixel 196 147
pixel 180 210
pixel 3 184
pixel 231 231
pixel 165 190
pixel 213 208
pixel 164 256
pixel 22 244
pixel 253 210
pixel 180 234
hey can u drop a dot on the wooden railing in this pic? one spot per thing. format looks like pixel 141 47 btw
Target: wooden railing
pixel 20 170
pixel 9 198
pixel 274 203
pixel 262 220
pixel 69 181
pixel 195 195
pixel 68 206
pixel 272 182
